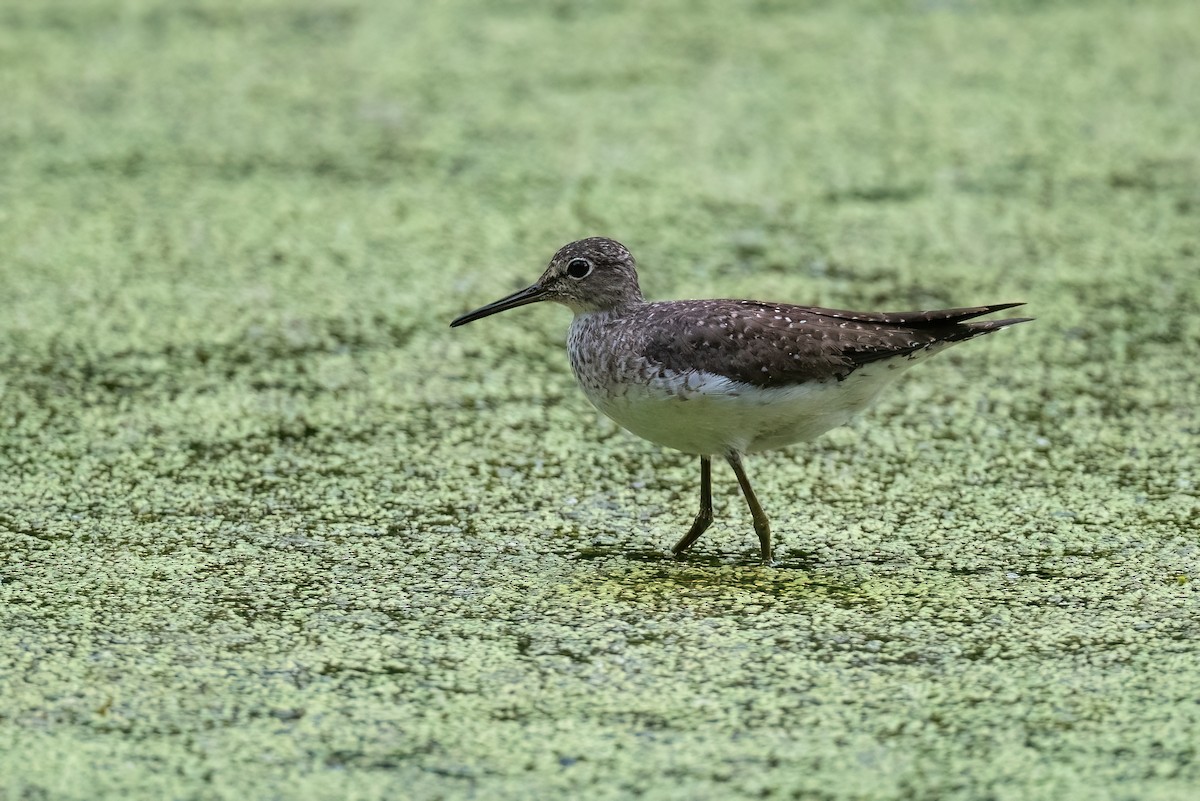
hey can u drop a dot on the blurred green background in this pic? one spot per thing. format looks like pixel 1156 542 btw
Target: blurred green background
pixel 269 529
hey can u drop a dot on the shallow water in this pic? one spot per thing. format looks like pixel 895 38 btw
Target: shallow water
pixel 270 529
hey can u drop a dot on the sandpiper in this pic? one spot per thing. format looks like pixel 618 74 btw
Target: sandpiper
pixel 727 377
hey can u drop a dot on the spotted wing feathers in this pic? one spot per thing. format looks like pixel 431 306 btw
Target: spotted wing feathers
pixel 768 345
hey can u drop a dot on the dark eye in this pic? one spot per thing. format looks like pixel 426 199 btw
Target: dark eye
pixel 579 268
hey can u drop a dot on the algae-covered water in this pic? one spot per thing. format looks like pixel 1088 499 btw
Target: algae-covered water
pixel 269 529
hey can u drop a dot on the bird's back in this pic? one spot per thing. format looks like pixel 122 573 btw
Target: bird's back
pixel 765 344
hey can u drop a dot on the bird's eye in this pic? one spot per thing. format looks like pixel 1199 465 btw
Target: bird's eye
pixel 579 268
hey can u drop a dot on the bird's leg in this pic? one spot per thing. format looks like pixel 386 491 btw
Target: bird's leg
pixel 762 526
pixel 705 517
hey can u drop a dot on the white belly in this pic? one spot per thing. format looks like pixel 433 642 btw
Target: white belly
pixel 707 414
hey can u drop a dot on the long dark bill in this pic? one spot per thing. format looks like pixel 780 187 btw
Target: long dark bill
pixel 530 294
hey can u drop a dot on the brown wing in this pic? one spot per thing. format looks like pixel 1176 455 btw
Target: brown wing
pixel 768 345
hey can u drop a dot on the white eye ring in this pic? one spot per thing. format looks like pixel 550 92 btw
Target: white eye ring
pixel 579 268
